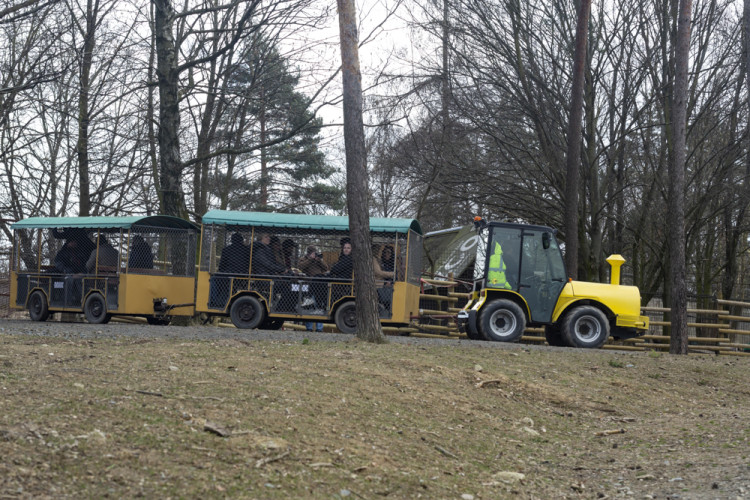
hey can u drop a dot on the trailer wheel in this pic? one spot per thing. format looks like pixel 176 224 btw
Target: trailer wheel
pixel 554 336
pixel 346 317
pixel 502 321
pixel 38 308
pixel 247 312
pixel 95 309
pixel 585 326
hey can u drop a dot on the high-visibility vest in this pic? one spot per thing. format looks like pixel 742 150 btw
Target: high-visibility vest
pixel 496 274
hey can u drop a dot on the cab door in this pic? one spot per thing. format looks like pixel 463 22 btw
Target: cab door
pixel 542 273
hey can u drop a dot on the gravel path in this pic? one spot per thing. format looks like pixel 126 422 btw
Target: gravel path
pixel 207 332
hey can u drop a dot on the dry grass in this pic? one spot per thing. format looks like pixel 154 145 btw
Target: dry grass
pixel 129 418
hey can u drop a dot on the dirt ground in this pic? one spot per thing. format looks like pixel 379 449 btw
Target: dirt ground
pixel 167 412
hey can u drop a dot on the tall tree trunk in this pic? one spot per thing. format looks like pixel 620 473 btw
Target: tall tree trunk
pixel 679 336
pixel 264 181
pixel 368 324
pixel 170 165
pixel 573 161
pixel 82 146
pixel 150 119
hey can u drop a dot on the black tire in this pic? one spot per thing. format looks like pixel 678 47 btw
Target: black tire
pixel 585 326
pixel 153 320
pixel 554 336
pixel 38 308
pixel 475 335
pixel 272 324
pixel 502 321
pixel 346 317
pixel 247 312
pixel 95 309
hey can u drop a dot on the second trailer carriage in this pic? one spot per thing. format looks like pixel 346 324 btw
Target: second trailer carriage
pixel 250 269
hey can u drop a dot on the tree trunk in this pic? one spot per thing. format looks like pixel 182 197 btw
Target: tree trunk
pixel 368 324
pixel 679 336
pixel 82 146
pixel 153 160
pixel 170 165
pixel 573 161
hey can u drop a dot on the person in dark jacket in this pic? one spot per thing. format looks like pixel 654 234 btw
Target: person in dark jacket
pixel 235 258
pixel 140 254
pixel 264 258
pixel 69 259
pixel 345 266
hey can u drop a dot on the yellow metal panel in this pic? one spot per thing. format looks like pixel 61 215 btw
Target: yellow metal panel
pixel 14 290
pixel 201 295
pixel 137 292
pixel 405 302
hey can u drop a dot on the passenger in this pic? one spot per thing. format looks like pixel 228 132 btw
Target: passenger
pixel 265 264
pixel 278 253
pixel 312 263
pixel 69 260
pixel 377 270
pixel 235 258
pixel 344 268
pixel 80 236
pixel 264 260
pixel 107 256
pixel 140 254
pixel 288 247
pixel 388 259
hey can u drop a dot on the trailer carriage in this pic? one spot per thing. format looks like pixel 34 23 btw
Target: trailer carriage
pixel 104 266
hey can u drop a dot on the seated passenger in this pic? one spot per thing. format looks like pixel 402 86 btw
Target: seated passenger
pixel 344 268
pixel 106 256
pixel 69 260
pixel 388 259
pixel 377 270
pixel 140 254
pixel 312 263
pixel 235 258
pixel 264 258
pixel 288 246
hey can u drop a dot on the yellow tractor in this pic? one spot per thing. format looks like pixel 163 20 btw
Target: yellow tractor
pixel 520 281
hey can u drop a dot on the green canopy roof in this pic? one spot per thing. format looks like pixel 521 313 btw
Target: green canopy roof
pixel 322 222
pixel 164 221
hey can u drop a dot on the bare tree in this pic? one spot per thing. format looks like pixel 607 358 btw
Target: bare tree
pixel 368 324
pixel 679 339
pixel 573 159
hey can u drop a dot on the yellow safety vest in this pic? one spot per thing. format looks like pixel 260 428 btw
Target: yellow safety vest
pixel 496 274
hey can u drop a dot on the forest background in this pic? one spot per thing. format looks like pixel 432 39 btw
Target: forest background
pixel 467 105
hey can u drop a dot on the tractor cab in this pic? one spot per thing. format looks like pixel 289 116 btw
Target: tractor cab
pixel 524 259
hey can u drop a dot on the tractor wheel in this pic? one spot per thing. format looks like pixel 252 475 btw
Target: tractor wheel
pixel 554 336
pixel 502 321
pixel 585 326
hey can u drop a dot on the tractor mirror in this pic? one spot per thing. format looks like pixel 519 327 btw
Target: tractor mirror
pixel 545 240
